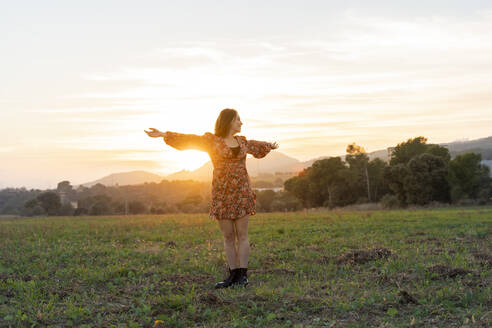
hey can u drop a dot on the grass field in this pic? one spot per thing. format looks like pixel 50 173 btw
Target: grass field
pixel 422 268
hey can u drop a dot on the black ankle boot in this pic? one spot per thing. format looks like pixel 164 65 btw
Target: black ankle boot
pixel 242 279
pixel 229 280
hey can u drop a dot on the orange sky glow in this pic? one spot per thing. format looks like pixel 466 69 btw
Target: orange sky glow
pixel 74 104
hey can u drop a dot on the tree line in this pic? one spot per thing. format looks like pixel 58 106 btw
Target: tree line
pixel 178 196
pixel 416 174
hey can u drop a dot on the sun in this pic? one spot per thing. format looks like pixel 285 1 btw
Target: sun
pixel 191 159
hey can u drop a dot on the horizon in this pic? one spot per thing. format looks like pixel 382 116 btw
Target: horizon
pixel 75 97
pixel 186 170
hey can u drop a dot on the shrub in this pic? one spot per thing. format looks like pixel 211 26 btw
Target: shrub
pixel 66 209
pixel 136 207
pixel 81 211
pixel 389 201
pixel 34 210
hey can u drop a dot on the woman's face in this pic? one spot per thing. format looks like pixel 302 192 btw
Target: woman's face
pixel 236 125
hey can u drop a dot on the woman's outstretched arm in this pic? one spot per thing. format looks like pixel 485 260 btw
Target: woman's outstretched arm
pixel 183 141
pixel 259 149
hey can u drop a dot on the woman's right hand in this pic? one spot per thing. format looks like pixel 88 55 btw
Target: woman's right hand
pixel 155 133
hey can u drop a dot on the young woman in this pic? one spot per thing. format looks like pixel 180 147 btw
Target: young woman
pixel 233 200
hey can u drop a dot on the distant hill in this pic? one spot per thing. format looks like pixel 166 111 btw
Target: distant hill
pixel 279 162
pixel 482 146
pixel 274 162
pixel 125 178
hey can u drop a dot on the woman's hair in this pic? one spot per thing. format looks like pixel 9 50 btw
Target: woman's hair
pixel 223 123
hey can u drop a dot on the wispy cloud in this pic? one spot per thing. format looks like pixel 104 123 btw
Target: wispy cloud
pixel 373 80
pixel 368 73
pixel 6 149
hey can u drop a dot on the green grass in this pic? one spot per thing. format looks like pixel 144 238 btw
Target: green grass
pixel 146 271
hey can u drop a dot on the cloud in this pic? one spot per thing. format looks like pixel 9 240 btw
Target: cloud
pixel 370 54
pixel 7 149
pixel 376 79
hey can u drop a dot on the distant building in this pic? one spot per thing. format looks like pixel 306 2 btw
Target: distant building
pixel 64 199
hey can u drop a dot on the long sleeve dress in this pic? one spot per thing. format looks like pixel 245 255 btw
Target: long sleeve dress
pixel 232 196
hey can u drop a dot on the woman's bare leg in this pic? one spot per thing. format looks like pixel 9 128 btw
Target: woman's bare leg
pixel 227 228
pixel 243 242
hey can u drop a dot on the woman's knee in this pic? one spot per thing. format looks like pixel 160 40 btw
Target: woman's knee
pixel 227 229
pixel 242 228
pixel 229 237
pixel 242 237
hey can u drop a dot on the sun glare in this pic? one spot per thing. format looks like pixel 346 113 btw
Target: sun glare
pixel 191 159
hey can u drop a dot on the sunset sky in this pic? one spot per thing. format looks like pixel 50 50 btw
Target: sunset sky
pixel 81 81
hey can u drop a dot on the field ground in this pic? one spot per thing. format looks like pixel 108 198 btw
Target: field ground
pixel 422 268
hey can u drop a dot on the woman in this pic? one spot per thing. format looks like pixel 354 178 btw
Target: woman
pixel 233 200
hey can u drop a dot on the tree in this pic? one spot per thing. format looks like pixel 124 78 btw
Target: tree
pixel 379 185
pixel 95 205
pixel 265 199
pixel 66 209
pixel 278 182
pixel 80 211
pixel 98 189
pixel 405 151
pixel 396 175
pixel 330 180
pixel 32 207
pixel 64 186
pixel 285 201
pixel 50 202
pixel 100 207
pixel 439 151
pixel 299 187
pixel 427 180
pixel 358 162
pixel 192 199
pixel 468 177
pixel 66 191
pixel 136 207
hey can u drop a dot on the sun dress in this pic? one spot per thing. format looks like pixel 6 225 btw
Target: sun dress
pixel 232 196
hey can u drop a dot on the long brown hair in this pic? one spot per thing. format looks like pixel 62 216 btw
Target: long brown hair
pixel 223 123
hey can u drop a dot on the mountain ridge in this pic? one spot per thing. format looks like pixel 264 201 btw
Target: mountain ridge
pixel 273 163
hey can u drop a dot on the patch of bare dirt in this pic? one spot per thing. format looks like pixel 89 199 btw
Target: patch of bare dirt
pixel 244 298
pixel 152 249
pixel 171 244
pixel 13 276
pixel 406 298
pixel 362 256
pixel 210 298
pixel 434 240
pixel 433 251
pixel 444 271
pixel 279 270
pixel 4 276
pixel 407 276
pixel 483 258
pixel 397 279
pixel 196 278
pixel 323 259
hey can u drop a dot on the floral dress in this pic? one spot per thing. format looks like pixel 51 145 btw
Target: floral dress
pixel 232 196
